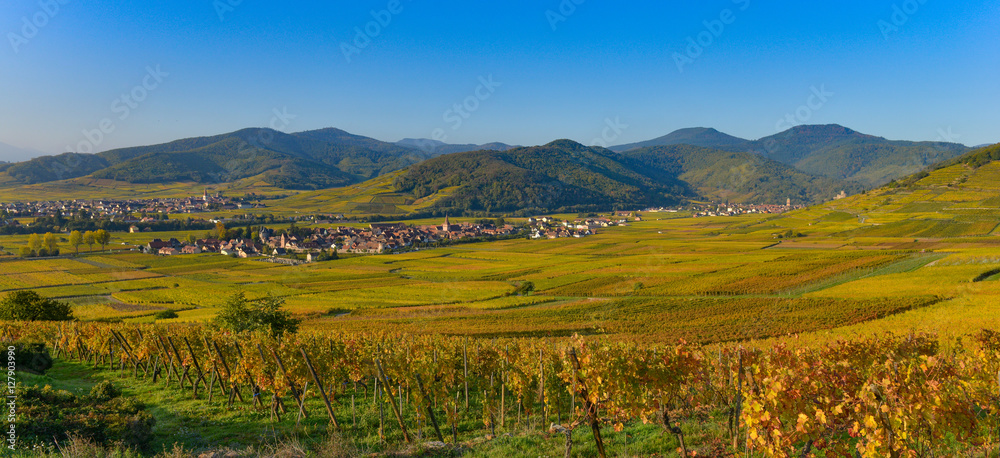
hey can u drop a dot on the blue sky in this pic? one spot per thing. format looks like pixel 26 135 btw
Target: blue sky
pixel 560 69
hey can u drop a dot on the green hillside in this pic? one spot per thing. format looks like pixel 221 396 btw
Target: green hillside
pixel 827 150
pixel 307 160
pixel 560 176
pixel 739 176
pixel 930 209
pixel 838 152
pixel 52 168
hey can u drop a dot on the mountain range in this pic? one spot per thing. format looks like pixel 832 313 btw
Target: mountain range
pixel 437 148
pixel 565 176
pixel 806 164
pixel 10 153
pixel 829 150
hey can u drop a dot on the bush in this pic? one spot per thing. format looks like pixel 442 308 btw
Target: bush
pixel 32 357
pixel 165 315
pixel 103 417
pixel 524 289
pixel 104 391
pixel 241 314
pixel 29 306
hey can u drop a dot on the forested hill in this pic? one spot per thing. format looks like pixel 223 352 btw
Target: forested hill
pixel 838 152
pixel 740 176
pixel 567 176
pixel 694 136
pixel 830 150
pixel 560 176
pixel 306 160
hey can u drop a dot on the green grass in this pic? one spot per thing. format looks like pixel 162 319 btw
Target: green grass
pixel 195 424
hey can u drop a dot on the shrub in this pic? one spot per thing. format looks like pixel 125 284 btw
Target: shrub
pixel 103 417
pixel 104 391
pixel 32 357
pixel 29 306
pixel 241 314
pixel 165 315
pixel 524 289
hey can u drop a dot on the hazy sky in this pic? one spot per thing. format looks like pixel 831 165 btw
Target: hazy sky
pixel 150 72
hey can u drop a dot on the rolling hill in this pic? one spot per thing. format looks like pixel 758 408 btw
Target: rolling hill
pixel 44 169
pixel 694 136
pixel 828 150
pixel 930 210
pixel 567 176
pixel 306 160
pixel 560 176
pixel 740 176
pixel 838 152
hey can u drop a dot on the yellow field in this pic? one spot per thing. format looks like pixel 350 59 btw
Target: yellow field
pixel 890 259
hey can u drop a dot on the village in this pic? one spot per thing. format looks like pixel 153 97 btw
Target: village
pixel 126 210
pixel 736 209
pixel 377 238
pixel 313 243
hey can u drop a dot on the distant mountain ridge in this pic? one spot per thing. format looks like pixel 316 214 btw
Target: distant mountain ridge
pixel 806 164
pixel 830 150
pixel 694 136
pixel 11 153
pixel 305 160
pixel 437 148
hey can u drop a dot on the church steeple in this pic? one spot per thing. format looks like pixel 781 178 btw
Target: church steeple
pixel 447 225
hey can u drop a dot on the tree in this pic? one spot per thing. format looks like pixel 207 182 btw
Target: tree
pixel 89 238
pixel 524 289
pixel 29 306
pixel 25 252
pixel 75 240
pixel 191 239
pixel 240 314
pixel 34 242
pixel 103 237
pixel 220 231
pixel 50 242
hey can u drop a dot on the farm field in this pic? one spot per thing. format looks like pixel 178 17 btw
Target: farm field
pixel 873 258
pixel 897 268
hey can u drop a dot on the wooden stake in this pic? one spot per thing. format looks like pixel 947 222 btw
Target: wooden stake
pixel 194 358
pixel 295 392
pixel 465 365
pixel 322 392
pixel 399 417
pixel 430 411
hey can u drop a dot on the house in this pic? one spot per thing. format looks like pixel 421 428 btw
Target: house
pixel 168 251
pixel 133 229
pixel 190 249
pixel 156 245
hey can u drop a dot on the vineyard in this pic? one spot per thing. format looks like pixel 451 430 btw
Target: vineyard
pixel 890 395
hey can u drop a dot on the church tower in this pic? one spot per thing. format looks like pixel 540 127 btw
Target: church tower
pixel 447 225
